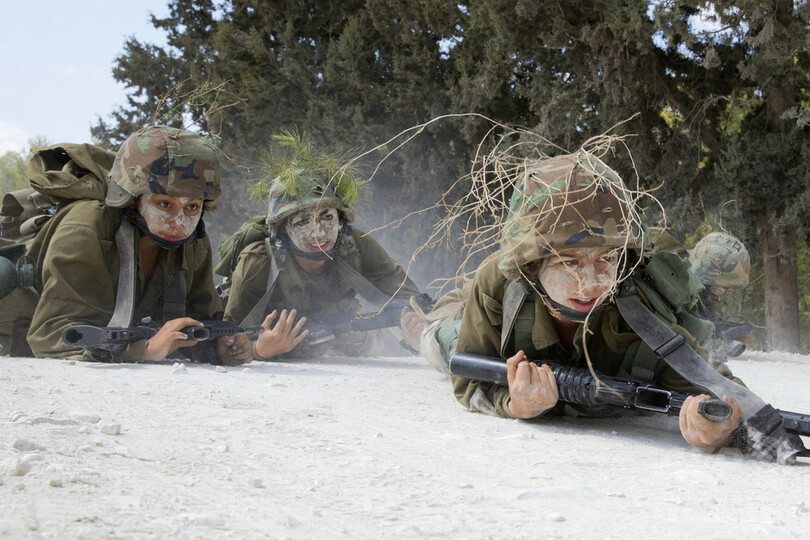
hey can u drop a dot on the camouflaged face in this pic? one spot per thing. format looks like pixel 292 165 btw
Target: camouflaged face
pixel 281 205
pixel 168 161
pixel 566 202
pixel 722 260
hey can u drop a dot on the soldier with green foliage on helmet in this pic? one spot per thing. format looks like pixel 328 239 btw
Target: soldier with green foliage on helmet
pixel 313 266
pixel 140 253
pixel 571 236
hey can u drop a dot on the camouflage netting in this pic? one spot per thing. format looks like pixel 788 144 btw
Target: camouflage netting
pixel 528 204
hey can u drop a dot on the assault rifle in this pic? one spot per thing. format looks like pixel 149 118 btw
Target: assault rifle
pixel 334 324
pixel 84 335
pixel 577 385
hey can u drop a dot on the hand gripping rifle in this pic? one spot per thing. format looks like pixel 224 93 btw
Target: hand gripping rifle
pixel 84 335
pixel 329 327
pixel 577 385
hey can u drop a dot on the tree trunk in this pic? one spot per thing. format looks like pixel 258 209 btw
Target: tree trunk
pixel 780 270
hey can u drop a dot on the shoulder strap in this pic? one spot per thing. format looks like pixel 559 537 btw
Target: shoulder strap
pixel 359 283
pixel 513 298
pixel 254 317
pixel 125 295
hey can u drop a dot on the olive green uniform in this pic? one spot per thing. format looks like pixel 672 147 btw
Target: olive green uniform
pixel 316 296
pixel 79 263
pixel 610 348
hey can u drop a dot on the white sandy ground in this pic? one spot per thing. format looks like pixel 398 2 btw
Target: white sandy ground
pixel 363 448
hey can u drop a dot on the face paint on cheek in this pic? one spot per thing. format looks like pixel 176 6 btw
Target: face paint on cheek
pixel 311 235
pixel 172 226
pixel 577 287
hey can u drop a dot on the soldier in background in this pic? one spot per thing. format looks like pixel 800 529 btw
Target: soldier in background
pixel 722 264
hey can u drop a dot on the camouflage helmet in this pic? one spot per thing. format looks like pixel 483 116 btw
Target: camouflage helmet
pixel 565 202
pixel 311 192
pixel 722 260
pixel 165 160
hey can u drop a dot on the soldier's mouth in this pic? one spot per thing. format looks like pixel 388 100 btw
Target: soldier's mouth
pixel 583 304
pixel 318 247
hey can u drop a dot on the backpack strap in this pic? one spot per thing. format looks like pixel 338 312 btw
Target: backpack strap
pixel 254 317
pixel 125 295
pixel 513 298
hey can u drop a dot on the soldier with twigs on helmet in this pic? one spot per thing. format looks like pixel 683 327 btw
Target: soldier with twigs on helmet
pixel 570 237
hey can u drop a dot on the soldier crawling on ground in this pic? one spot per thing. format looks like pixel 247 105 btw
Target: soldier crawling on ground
pixel 572 233
pixel 313 264
pixel 161 181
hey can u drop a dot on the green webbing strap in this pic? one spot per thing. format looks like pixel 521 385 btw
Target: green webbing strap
pixel 256 315
pixel 360 284
pixel 513 297
pixel 765 433
pixel 125 295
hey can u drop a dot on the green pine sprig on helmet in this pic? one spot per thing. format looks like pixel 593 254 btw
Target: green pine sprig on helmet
pixel 165 160
pixel 298 176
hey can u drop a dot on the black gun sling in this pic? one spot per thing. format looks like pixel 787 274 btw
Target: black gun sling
pixel 765 432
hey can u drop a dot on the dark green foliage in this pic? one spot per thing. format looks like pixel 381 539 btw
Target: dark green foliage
pixel 707 103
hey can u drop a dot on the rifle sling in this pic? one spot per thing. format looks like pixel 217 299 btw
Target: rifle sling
pixel 763 422
pixel 360 284
pixel 125 294
pixel 255 316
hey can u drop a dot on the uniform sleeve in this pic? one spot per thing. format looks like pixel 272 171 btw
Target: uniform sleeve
pixel 77 288
pixel 248 282
pixel 480 333
pixel 382 270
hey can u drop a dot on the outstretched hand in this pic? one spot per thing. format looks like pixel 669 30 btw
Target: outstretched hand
pixel 169 338
pixel 532 388
pixel 701 432
pixel 281 338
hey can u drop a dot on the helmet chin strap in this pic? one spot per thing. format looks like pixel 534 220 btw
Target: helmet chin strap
pixel 287 246
pixel 137 219
pixel 565 311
